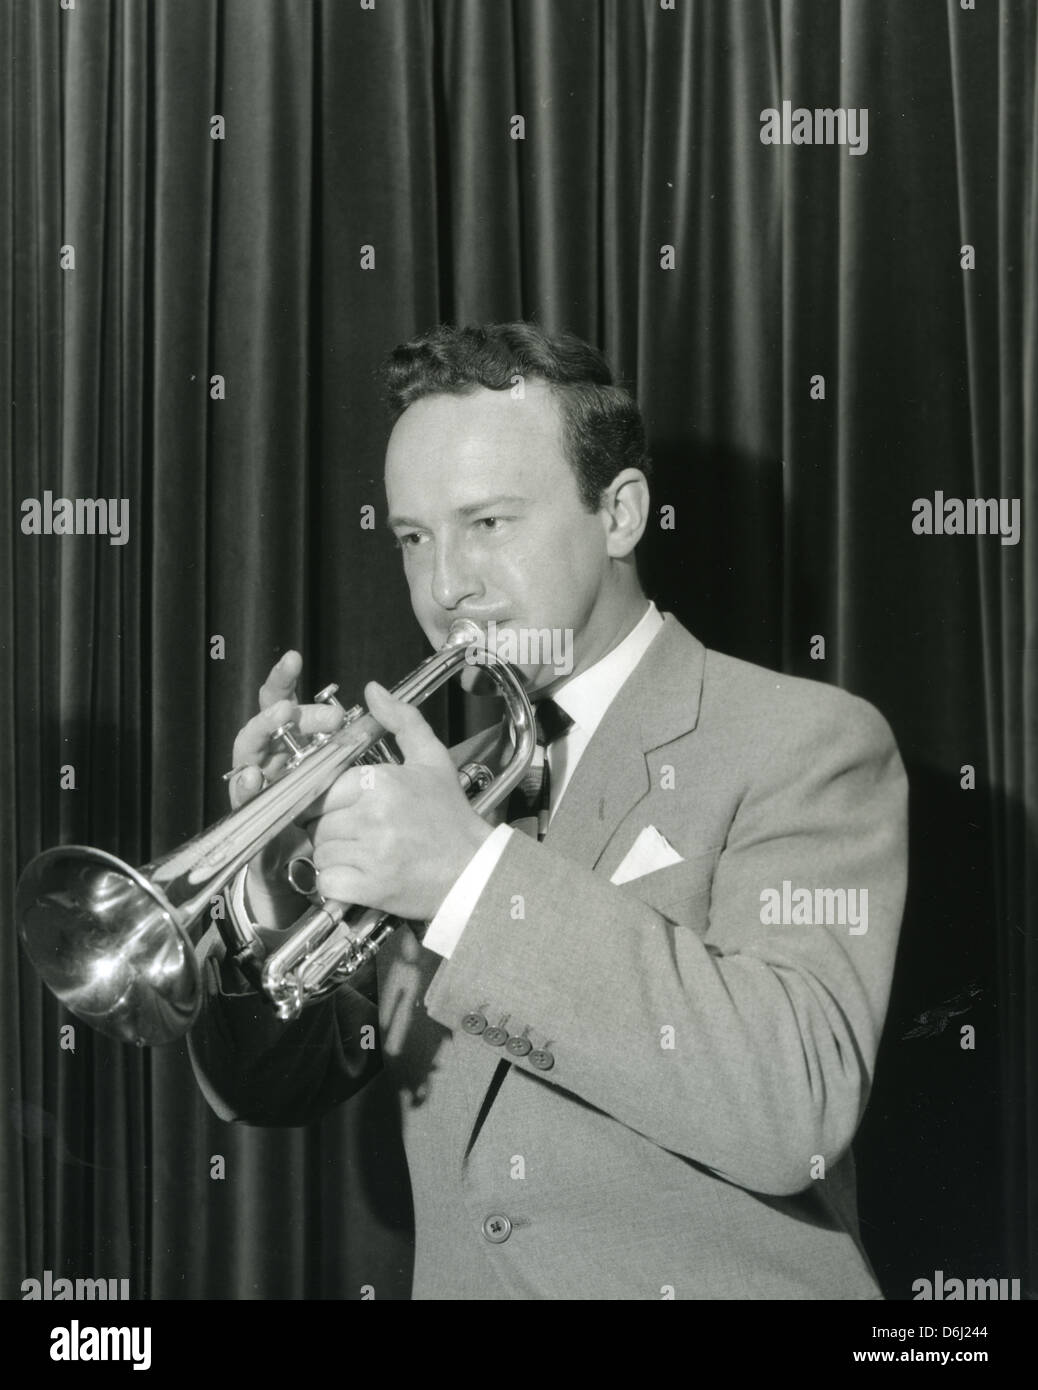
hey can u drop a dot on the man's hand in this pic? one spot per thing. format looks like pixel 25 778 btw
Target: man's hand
pixel 278 704
pixel 396 837
pixel 271 899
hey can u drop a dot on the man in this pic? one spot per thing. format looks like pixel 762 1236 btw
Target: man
pixel 645 1042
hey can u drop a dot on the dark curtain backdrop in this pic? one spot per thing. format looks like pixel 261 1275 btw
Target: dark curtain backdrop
pixel 242 257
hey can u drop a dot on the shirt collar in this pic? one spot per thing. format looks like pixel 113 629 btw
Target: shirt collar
pixel 587 696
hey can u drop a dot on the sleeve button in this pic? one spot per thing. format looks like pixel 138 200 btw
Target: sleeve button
pixel 497 1229
pixel 474 1023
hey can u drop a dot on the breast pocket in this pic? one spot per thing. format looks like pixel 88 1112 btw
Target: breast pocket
pixel 680 891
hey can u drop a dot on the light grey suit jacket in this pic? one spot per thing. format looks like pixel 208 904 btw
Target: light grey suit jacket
pixel 681 1123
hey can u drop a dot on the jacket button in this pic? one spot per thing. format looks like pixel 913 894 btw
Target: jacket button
pixel 496 1037
pixel 543 1061
pixel 518 1047
pixel 473 1023
pixel 497 1229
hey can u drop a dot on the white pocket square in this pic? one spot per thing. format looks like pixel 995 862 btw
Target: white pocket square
pixel 651 851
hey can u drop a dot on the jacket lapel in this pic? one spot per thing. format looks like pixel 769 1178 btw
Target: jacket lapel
pixel 658 703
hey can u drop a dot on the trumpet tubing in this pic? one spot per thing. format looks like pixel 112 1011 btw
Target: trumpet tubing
pixel 116 944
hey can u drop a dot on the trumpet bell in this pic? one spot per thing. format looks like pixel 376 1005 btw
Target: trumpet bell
pixel 108 945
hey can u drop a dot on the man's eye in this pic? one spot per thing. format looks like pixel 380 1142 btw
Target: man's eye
pixel 409 539
pixel 490 523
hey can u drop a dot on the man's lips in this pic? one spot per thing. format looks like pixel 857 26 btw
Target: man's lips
pixel 482 623
pixel 482 620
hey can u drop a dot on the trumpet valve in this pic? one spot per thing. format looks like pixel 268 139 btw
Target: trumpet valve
pixel 327 697
pixel 474 777
pixel 288 736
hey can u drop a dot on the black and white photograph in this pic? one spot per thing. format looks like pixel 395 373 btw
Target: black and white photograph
pixel 519 611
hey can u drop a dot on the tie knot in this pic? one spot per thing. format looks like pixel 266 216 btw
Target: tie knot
pixel 552 722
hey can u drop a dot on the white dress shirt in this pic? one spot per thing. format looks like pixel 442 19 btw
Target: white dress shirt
pixel 585 699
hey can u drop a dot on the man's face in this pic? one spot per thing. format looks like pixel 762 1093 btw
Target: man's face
pixel 485 508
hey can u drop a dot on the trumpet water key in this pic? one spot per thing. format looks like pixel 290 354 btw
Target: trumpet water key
pixel 116 944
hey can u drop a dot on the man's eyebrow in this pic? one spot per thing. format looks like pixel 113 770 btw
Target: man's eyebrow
pixel 487 504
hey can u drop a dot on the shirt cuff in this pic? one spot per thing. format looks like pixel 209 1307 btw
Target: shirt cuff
pixel 446 927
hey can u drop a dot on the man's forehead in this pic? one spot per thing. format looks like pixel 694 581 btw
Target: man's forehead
pixel 468 441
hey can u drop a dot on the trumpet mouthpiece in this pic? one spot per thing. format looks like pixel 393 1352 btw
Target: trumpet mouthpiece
pixel 464 633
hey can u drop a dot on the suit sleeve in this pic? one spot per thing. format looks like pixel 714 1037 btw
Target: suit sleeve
pixel 253 1068
pixel 743 1046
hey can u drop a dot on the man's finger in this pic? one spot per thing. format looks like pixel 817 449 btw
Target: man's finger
pixel 345 791
pixel 281 683
pixel 318 719
pixel 337 854
pixel 253 742
pixel 338 827
pixel 245 784
pixel 343 882
pixel 406 723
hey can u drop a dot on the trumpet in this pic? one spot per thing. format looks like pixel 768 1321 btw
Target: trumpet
pixel 117 944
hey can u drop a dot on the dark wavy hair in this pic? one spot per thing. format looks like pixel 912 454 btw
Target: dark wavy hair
pixel 602 426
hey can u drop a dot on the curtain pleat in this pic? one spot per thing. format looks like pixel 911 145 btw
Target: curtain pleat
pixel 210 359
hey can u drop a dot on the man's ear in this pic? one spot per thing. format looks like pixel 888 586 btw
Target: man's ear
pixel 624 510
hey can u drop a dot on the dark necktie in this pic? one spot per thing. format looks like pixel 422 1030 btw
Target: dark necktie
pixel 529 806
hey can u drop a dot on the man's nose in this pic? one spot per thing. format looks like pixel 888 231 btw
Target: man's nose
pixel 454 578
